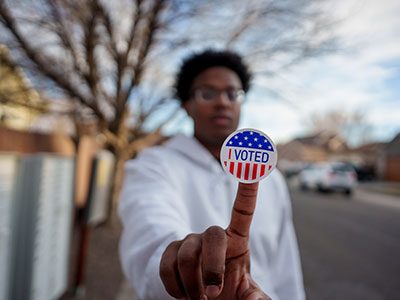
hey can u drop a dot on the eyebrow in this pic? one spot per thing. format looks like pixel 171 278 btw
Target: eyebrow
pixel 213 87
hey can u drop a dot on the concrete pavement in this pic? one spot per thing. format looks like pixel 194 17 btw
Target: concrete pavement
pixel 379 199
pixel 125 292
pixel 349 247
pixel 381 187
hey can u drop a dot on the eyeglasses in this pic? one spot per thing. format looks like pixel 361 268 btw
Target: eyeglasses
pixel 209 95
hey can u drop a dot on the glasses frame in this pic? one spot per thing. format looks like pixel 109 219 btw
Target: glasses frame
pixel 240 98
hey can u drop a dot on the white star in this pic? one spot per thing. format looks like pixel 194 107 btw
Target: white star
pixel 259 145
pixel 256 139
pixel 265 141
pixel 251 132
pixel 269 147
pixel 236 137
pixel 250 144
pixel 230 143
pixel 245 138
pixel 240 143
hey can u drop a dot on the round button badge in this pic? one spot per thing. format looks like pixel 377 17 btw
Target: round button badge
pixel 249 155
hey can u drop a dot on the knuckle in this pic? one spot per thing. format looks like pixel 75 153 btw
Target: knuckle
pixel 186 258
pixel 215 232
pixel 189 250
pixel 172 246
pixel 166 268
pixel 190 237
pixel 216 236
pixel 169 259
pixel 170 252
pixel 191 241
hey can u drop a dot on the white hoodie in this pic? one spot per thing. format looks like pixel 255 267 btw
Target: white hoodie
pixel 180 188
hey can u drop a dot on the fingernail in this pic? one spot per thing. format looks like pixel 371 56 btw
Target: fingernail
pixel 212 291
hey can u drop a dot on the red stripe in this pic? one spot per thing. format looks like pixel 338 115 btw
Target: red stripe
pixel 231 167
pixel 229 155
pixel 255 166
pixel 239 170
pixel 262 172
pixel 269 167
pixel 225 163
pixel 246 171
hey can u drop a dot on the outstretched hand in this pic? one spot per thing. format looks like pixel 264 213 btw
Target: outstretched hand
pixel 216 263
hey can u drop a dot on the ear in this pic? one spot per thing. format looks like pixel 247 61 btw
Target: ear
pixel 188 106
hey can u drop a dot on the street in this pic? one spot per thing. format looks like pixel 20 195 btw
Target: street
pixel 350 246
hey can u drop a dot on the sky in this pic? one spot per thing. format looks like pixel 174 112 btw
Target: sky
pixel 364 76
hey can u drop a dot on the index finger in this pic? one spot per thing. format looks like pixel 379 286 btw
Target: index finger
pixel 243 209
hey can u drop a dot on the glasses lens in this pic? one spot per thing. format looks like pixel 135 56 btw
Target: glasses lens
pixel 209 94
pixel 235 95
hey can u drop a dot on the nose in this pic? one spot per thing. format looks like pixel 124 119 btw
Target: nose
pixel 222 99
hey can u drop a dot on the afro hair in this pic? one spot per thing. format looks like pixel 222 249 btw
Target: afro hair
pixel 199 62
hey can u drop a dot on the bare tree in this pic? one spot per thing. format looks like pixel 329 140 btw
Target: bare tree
pixel 16 94
pixel 105 56
pixel 350 125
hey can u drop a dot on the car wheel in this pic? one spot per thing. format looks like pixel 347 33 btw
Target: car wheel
pixel 321 189
pixel 348 192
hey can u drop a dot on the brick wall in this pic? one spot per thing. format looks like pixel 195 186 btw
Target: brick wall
pixel 392 170
pixel 22 142
pixel 32 142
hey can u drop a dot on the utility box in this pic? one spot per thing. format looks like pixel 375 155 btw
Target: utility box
pixel 42 227
pixel 98 205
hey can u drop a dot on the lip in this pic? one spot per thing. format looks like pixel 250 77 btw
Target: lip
pixel 221 120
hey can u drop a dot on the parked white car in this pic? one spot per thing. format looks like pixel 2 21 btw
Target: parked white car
pixel 331 176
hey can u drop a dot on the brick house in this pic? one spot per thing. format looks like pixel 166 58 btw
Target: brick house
pixel 318 147
pixel 392 160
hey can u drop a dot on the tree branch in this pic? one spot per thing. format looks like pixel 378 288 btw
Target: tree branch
pixel 45 64
pixel 90 40
pixel 143 50
pixel 65 36
pixel 149 34
pixel 139 144
pixel 109 26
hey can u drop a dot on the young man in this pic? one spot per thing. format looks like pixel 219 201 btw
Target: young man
pixel 187 223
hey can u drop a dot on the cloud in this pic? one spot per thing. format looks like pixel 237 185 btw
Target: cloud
pixel 361 77
pixel 364 77
pixel 273 118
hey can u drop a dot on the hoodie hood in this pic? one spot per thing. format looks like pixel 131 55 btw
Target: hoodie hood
pixel 191 148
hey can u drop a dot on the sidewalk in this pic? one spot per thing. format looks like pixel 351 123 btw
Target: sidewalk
pixel 103 279
pixel 125 292
pixel 383 187
pixel 379 193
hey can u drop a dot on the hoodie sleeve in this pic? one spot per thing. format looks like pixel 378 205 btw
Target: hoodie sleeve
pixel 286 268
pixel 153 216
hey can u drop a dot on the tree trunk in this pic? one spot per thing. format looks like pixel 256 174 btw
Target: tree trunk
pixel 121 156
pixel 118 180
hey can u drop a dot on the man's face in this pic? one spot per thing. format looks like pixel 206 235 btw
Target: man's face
pixel 214 119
